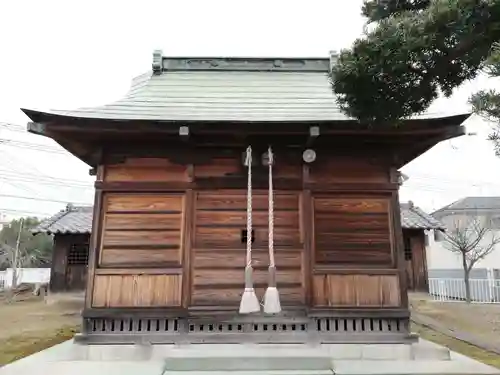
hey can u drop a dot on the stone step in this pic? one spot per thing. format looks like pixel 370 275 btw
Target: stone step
pixel 247 358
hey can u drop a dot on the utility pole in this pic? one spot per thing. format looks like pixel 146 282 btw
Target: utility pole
pixel 16 254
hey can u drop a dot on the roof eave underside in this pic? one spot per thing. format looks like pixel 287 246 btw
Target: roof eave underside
pixel 52 118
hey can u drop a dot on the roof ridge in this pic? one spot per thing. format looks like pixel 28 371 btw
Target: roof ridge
pixel 424 215
pixel 45 224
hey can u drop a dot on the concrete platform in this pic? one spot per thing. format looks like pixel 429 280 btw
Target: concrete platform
pixel 279 359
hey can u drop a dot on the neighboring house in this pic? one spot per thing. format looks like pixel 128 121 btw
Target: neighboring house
pixel 446 264
pixel 3 220
pixel 71 230
pixel 415 224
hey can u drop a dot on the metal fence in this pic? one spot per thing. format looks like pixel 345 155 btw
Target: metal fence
pixel 3 280
pixel 481 290
pixel 24 276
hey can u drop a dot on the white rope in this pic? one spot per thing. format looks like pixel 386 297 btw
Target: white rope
pixel 271 208
pixel 248 162
pixel 272 303
pixel 249 302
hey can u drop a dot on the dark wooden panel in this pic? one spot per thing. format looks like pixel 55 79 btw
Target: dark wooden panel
pixel 350 170
pixel 143 202
pixel 236 277
pixel 231 237
pixel 136 290
pixel 366 205
pixel 138 238
pixel 232 296
pixel 237 200
pixel 143 221
pixel 356 290
pixel 239 218
pixel 218 167
pixel 61 245
pixel 219 253
pixel 415 260
pixel 140 257
pixel 292 171
pixel 349 230
pixel 368 221
pixel 354 256
pixel 176 270
pixel 76 277
pixel 220 259
pixel 142 229
pixel 146 169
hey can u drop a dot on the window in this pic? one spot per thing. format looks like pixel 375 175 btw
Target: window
pixel 78 254
pixel 408 252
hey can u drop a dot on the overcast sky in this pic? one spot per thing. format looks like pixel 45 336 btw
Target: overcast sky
pixel 68 54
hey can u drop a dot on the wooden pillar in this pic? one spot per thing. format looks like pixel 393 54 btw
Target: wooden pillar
pixel 59 263
pixel 306 220
pixel 188 221
pixel 95 238
pixel 398 247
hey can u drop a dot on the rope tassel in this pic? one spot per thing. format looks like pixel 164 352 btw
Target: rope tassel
pixel 249 302
pixel 272 303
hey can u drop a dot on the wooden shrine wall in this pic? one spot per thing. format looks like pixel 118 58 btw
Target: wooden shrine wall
pixel 171 235
pixel 219 247
pixel 354 262
pixel 139 262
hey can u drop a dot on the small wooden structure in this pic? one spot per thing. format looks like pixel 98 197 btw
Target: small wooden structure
pixel 415 222
pixel 169 237
pixel 70 229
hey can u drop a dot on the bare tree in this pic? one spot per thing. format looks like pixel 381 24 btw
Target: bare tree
pixel 473 240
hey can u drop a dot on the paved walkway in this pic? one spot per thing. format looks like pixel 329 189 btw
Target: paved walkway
pixel 340 359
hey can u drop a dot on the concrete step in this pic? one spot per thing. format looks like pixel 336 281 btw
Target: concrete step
pixel 247 358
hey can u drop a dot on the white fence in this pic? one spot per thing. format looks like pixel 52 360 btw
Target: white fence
pixel 481 290
pixel 24 276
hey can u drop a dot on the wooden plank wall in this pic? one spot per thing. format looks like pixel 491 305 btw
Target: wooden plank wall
pixel 140 258
pixel 333 170
pixel 353 239
pixel 358 289
pixel 352 230
pixel 416 261
pixel 219 251
pixel 142 230
pixel 349 235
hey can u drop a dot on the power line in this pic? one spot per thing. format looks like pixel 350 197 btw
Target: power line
pixel 42 199
pixel 13 127
pixel 7 210
pixel 33 146
pixel 26 177
pixel 31 167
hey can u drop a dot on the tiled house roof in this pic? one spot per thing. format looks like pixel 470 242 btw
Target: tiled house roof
pixel 472 204
pixel 413 217
pixel 72 220
pixel 78 220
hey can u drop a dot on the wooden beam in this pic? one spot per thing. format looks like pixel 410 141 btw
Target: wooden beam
pixel 184 133
pixel 313 135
